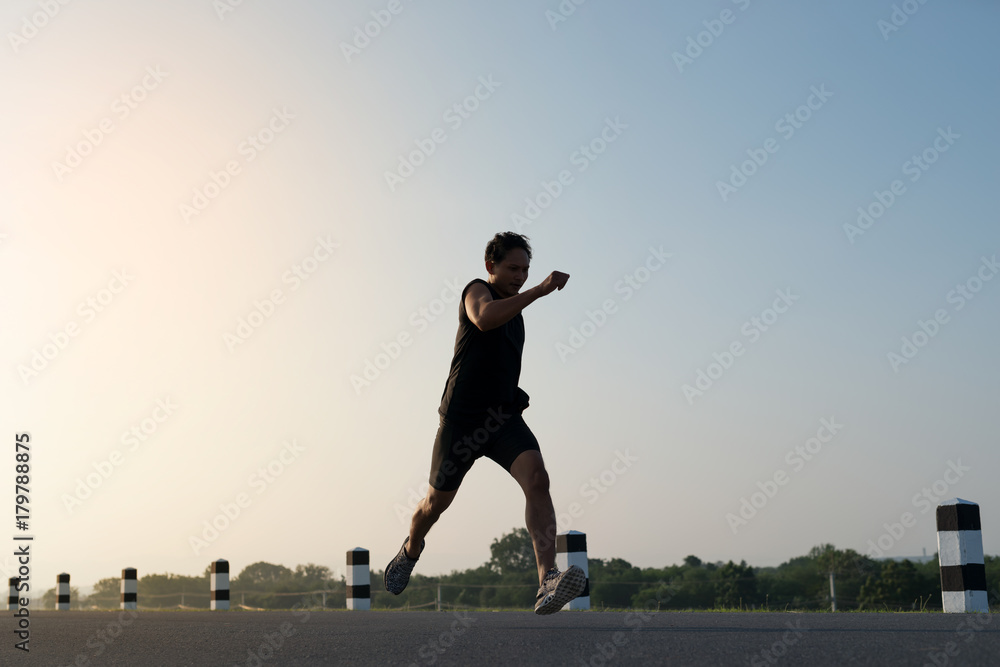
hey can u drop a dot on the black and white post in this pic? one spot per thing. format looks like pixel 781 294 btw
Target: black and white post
pixel 571 549
pixel 130 588
pixel 220 585
pixel 359 580
pixel 62 590
pixel 12 600
pixel 960 552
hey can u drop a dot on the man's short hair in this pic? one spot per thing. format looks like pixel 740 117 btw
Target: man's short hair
pixel 501 244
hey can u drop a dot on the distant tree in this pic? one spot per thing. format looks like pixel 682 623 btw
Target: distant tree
pixel 615 582
pixel 312 573
pixel 736 586
pixel 796 583
pixel 49 599
pixel 830 559
pixel 619 568
pixel 898 586
pixel 992 564
pixel 691 586
pixel 263 575
pixel 850 570
pixel 106 593
pixel 658 595
pixel 174 590
pixel 513 552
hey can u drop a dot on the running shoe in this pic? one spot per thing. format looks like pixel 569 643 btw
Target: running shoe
pixel 558 588
pixel 397 572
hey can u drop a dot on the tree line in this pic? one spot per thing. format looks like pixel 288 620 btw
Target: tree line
pixel 509 580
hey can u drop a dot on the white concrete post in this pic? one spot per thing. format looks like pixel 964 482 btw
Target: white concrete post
pixel 62 590
pixel 220 585
pixel 359 580
pixel 130 588
pixel 960 553
pixel 571 549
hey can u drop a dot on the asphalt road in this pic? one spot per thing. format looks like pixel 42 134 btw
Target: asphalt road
pixel 258 639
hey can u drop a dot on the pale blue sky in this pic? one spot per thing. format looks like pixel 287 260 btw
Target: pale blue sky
pixel 322 181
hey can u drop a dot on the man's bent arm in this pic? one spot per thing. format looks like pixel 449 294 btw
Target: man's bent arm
pixel 488 313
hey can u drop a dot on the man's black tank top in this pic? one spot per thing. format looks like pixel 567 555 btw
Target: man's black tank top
pixel 485 369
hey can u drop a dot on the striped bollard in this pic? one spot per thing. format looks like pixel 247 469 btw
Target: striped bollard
pixel 960 553
pixel 12 600
pixel 62 590
pixel 220 585
pixel 571 549
pixel 359 580
pixel 130 589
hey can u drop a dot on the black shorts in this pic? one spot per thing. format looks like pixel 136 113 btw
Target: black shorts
pixel 500 436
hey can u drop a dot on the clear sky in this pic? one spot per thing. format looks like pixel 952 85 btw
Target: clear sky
pixel 216 216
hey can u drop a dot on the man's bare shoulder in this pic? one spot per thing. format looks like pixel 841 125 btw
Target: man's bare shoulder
pixel 476 297
pixel 478 290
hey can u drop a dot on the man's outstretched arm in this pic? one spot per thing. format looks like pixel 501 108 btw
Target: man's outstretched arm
pixel 488 313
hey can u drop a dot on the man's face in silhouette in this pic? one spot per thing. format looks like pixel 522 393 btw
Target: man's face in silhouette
pixel 508 275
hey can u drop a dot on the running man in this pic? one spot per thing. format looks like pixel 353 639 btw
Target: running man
pixel 481 416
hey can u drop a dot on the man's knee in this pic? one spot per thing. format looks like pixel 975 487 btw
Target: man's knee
pixel 438 501
pixel 538 481
pixel 529 471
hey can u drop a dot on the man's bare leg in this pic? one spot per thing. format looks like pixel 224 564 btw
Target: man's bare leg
pixel 428 510
pixel 397 572
pixel 539 514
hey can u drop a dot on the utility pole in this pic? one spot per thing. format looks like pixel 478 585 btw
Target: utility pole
pixel 833 593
